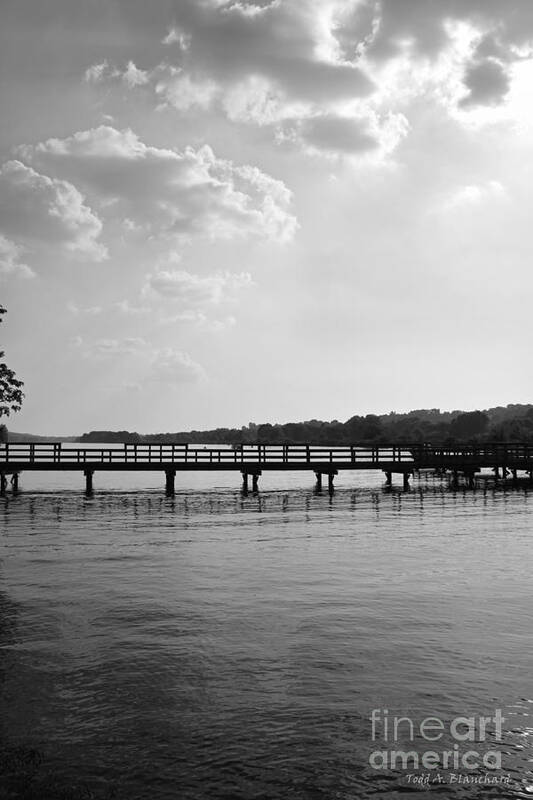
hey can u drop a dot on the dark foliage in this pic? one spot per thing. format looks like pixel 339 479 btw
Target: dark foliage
pixel 510 423
pixel 11 394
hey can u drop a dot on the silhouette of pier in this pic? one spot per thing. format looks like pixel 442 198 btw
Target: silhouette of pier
pixel 251 460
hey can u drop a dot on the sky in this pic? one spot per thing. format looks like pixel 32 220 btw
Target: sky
pixel 216 212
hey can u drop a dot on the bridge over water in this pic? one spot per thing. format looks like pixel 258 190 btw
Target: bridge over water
pixel 504 459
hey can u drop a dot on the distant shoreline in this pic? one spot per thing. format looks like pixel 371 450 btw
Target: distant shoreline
pixel 513 422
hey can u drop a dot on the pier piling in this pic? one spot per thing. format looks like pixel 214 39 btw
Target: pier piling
pixel 170 475
pixel 88 480
pixel 254 474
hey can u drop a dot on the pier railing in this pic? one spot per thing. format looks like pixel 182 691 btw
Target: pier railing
pixel 29 455
pixel 252 459
pixel 53 454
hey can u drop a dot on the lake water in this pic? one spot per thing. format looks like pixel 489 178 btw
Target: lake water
pixel 212 645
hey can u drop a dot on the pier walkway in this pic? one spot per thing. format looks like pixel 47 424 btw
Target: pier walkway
pixel 251 460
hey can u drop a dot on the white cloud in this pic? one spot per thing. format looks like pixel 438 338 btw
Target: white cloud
pixel 218 325
pixel 179 90
pixel 38 209
pixel 10 263
pixel 193 291
pixel 283 42
pixel 299 65
pixel 77 311
pixel 175 36
pixel 165 365
pixel 254 100
pixel 171 192
pixel 132 76
pixel 97 72
pixel 111 348
pixel 175 367
pixel 262 64
pixel 463 52
pixel 125 307
pixel 199 320
pixel 474 194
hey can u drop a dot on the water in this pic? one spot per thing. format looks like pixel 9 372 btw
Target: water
pixel 218 646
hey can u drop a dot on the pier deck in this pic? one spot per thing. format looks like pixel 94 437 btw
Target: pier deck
pixel 253 459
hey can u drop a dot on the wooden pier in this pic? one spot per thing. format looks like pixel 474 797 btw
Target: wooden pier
pixel 505 460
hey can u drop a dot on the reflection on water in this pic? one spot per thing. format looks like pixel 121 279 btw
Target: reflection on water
pixel 212 645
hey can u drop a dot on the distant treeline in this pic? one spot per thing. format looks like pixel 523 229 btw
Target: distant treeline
pixel 509 423
pixel 32 437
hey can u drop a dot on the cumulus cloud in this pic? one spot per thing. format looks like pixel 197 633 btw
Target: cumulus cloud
pixel 171 296
pixel 175 36
pixel 175 367
pixel 260 64
pixel 496 35
pixel 110 348
pixel 97 72
pixel 195 291
pixel 125 307
pixel 165 365
pixel 38 209
pixel 281 41
pixel 77 311
pixel 199 320
pixel 170 192
pixel 132 76
pixel 325 67
pixel 473 195
pixel 10 263
pixel 177 89
pixel 191 299
pixel 122 306
pixel 391 26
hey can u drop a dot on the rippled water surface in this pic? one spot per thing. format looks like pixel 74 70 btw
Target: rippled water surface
pixel 212 645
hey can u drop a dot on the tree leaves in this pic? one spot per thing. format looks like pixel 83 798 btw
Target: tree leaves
pixel 11 394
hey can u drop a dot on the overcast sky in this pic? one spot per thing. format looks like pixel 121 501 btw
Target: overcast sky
pixel 219 212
